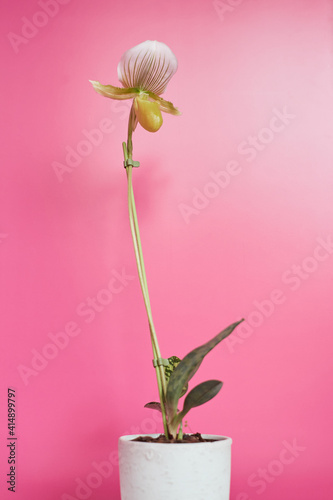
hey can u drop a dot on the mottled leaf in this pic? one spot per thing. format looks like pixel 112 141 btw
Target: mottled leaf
pixel 187 368
pixel 173 363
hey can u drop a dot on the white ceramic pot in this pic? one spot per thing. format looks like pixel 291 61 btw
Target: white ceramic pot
pixel 182 471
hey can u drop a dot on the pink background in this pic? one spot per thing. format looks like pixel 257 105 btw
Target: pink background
pixel 254 85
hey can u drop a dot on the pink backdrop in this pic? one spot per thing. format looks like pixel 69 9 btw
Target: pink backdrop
pixel 235 208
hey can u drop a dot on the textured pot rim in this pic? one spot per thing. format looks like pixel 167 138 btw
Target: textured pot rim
pixel 218 439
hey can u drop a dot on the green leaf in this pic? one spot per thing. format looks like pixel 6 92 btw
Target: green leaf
pixel 199 395
pixel 187 368
pixel 154 405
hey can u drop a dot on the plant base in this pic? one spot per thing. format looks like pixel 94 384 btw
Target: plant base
pixel 185 471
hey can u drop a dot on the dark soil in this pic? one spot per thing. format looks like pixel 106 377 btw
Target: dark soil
pixel 187 438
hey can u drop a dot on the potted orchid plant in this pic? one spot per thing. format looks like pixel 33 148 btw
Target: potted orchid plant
pixel 144 72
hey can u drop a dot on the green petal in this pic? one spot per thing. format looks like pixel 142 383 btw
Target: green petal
pixel 114 92
pixel 165 106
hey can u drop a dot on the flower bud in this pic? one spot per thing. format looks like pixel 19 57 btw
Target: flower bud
pixel 148 113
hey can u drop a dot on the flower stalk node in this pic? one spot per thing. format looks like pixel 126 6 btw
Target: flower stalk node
pixel 131 163
pixel 160 362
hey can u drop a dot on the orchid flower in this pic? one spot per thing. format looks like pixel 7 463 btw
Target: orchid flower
pixel 144 71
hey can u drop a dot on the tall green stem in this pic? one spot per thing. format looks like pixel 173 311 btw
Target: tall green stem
pixel 161 381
